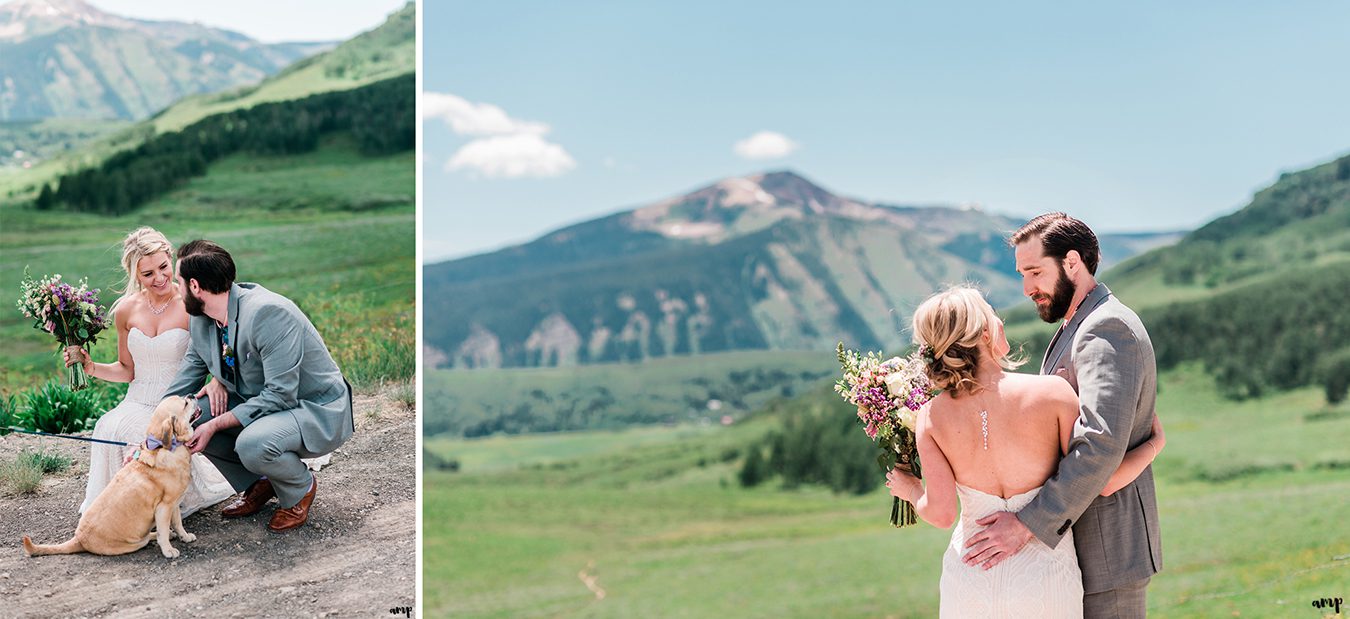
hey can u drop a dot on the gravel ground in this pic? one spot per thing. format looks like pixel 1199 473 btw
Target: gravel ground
pixel 356 557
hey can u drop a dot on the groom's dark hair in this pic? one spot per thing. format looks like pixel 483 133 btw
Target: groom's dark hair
pixel 208 263
pixel 1060 233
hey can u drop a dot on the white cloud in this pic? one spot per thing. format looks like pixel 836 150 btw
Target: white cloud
pixel 468 118
pixel 512 156
pixel 765 145
pixel 512 148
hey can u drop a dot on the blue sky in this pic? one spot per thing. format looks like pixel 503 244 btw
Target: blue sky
pixel 270 21
pixel 1139 116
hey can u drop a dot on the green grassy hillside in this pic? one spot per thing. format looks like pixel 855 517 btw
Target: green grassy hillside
pixel 1250 496
pixel 1257 295
pixel 699 389
pixel 1301 220
pixel 384 52
pixel 38 141
pixel 332 229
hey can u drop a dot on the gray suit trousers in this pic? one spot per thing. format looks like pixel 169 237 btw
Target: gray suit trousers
pixel 1124 602
pixel 269 447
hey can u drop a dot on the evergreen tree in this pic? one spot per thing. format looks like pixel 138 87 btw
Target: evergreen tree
pixel 754 471
pixel 45 198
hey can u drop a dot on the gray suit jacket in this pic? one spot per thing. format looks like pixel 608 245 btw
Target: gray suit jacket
pixel 1108 357
pixel 282 365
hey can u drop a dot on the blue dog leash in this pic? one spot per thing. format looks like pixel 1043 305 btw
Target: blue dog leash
pixel 99 440
pixel 74 438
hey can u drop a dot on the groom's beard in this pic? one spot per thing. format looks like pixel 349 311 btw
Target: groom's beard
pixel 193 304
pixel 1060 299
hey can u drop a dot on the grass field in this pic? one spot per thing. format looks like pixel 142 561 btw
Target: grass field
pixel 679 389
pixel 332 229
pixel 1251 496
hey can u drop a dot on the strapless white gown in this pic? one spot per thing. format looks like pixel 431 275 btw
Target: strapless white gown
pixel 1036 582
pixel 157 359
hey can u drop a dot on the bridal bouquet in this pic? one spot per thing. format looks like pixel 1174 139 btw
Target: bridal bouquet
pixel 70 313
pixel 888 395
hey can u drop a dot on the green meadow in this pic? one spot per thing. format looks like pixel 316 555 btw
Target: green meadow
pixel 651 522
pixel 677 389
pixel 332 229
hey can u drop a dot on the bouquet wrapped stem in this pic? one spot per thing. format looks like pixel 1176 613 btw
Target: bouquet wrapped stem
pixel 76 377
pixel 902 512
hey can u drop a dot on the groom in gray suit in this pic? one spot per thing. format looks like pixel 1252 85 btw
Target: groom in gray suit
pixel 1103 350
pixel 287 397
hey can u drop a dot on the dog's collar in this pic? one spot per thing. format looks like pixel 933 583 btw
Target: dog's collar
pixel 152 443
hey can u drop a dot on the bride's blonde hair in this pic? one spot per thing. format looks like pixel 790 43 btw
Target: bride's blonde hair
pixel 142 242
pixel 950 326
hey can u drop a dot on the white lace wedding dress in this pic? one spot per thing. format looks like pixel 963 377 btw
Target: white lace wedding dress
pixel 1036 582
pixel 157 359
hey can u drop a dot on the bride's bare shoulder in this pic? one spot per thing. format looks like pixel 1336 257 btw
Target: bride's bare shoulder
pixel 1040 388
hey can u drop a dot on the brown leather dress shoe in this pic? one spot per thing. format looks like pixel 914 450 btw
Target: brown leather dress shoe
pixel 292 517
pixel 252 502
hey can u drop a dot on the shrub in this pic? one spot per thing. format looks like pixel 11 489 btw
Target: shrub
pixel 1335 371
pixel 46 462
pixel 20 477
pixel 8 407
pixel 432 460
pixel 406 395
pixel 53 407
pixel 755 470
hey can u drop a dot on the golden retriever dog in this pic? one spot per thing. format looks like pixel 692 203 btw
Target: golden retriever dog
pixel 145 492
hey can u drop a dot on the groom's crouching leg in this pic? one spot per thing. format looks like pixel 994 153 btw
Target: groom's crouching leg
pixel 221 452
pixel 271 446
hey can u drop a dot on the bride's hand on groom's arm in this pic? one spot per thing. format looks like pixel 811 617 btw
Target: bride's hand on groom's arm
pixel 1003 536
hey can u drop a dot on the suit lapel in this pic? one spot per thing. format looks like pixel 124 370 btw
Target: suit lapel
pixel 228 375
pixel 232 321
pixel 1054 341
pixel 212 361
pixel 1064 339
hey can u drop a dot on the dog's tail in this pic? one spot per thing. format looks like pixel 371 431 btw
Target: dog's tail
pixel 71 547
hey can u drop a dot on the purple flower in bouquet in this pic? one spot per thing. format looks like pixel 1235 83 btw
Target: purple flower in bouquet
pixel 888 394
pixel 70 313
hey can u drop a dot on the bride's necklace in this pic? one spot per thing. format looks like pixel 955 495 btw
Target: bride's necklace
pixel 984 426
pixel 161 309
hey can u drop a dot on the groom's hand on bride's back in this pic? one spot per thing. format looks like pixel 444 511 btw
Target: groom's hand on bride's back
pixel 1003 536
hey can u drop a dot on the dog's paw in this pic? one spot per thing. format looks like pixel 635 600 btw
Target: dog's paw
pixel 170 552
pixel 188 537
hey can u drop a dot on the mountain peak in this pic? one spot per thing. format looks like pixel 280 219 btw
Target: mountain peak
pixel 792 188
pixel 25 18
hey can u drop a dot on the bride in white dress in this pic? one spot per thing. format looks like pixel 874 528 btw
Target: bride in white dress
pixel 991 439
pixel 152 339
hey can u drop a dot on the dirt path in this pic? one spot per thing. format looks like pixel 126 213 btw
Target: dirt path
pixel 355 558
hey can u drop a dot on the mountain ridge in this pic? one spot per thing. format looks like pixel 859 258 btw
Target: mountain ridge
pixel 68 59
pixel 764 261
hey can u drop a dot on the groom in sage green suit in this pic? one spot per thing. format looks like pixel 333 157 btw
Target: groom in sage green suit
pixel 1105 353
pixel 287 397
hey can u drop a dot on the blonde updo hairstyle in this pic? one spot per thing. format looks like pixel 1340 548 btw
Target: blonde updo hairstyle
pixel 142 242
pixel 952 325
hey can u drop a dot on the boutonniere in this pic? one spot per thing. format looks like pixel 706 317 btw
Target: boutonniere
pixel 226 352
